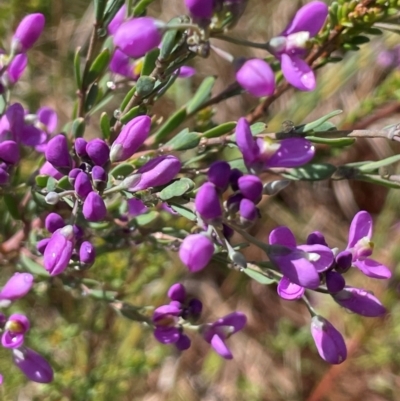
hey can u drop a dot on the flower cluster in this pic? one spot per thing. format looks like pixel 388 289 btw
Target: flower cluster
pixel 181 313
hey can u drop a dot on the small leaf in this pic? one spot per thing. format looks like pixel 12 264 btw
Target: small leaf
pixel 170 39
pixel 127 98
pixel 64 183
pixel 77 68
pixel 184 140
pixel 140 7
pixel 91 97
pixel 315 124
pixel 12 206
pixel 370 167
pixel 258 128
pixel 41 180
pixel 112 8
pixel 334 142
pixel 102 295
pixel 258 276
pixel 99 7
pixel 183 211
pixel 149 62
pixel 376 179
pixel 33 267
pixel 172 123
pixel 105 125
pixel 177 188
pixel 220 130
pixel 311 172
pixel 122 170
pixel 78 127
pixel 202 94
pixel 96 69
pixel 239 164
pixel 132 113
pixel 51 184
pixel 147 218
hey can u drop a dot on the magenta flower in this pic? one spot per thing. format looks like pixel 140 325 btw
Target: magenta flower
pixel 87 253
pixel 200 9
pixel 290 46
pixel 80 147
pixel 98 151
pixel 58 251
pixel 48 169
pixel 218 332
pixel 361 247
pixel 248 211
pixel 301 264
pixel 122 64
pixel 288 290
pixel 57 153
pixel 138 36
pixel 158 171
pixel 251 187
pixel 186 71
pixel 330 343
pixel 33 365
pixel 207 202
pixel 9 152
pixel 99 178
pixel 136 207
pixel 16 68
pixel 15 328
pixel 219 173
pixel 94 208
pixel 256 77
pixel 334 281
pixel 17 286
pixel 359 301
pixel 28 32
pixel 116 22
pixel 130 138
pixel 53 222
pixel 83 185
pixel 196 252
pixel 260 154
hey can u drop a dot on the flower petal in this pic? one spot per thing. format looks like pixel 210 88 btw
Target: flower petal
pixel 321 256
pixel 298 73
pixel 288 290
pixel 220 347
pixel 166 335
pixel 361 226
pixel 282 236
pixel 373 269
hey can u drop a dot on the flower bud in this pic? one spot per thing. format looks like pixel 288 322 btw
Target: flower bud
pixel 73 174
pixel 207 202
pixel 58 251
pixel 15 328
pixel 42 244
pixel 17 68
pixel 251 187
pixel 344 261
pixel 183 342
pixel 138 36
pixel 334 281
pixel 136 207
pixel 83 185
pixel 219 174
pixel 9 152
pixel 80 147
pixel 257 78
pixel 158 171
pixel 330 343
pixel 194 309
pixel 316 238
pixel 116 22
pixel 52 198
pixel 248 211
pixel 27 32
pixel 57 153
pixel 177 292
pixel 245 142
pixel 130 138
pixel 87 253
pixel 234 178
pixel 33 365
pixel 49 170
pixel 201 9
pixel 94 208
pixel 232 204
pixel 196 251
pixel 99 178
pixel 98 151
pixel 53 222
pixel 17 286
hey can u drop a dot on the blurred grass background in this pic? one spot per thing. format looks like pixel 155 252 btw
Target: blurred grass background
pixel 100 356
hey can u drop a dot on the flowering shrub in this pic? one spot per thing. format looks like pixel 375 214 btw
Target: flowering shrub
pixel 89 196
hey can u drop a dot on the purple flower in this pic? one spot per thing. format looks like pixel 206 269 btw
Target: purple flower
pixel 16 68
pixel 288 290
pixel 196 252
pixel 57 153
pixel 83 185
pixel 251 187
pixel 261 153
pixel 9 152
pixel 207 202
pixel 28 32
pixel 136 207
pixel 158 171
pixel 300 264
pixel 99 178
pixel 359 301
pixel 15 328
pixel 177 292
pixel 290 46
pixel 58 251
pixel 48 169
pixel 247 210
pixel 87 253
pixel 53 222
pixel 218 332
pixel 361 247
pixel 80 147
pixel 94 208
pixel 42 244
pixel 138 36
pixel 33 365
pixel 73 174
pixel 98 151
pixel 234 178
pixel 334 281
pixel 122 64
pixel 219 173
pixel 201 9
pixel 17 286
pixel 256 77
pixel 186 72
pixel 130 138
pixel 330 343
pixel 116 22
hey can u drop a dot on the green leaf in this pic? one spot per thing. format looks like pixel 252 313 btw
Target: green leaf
pixel 41 180
pixel 376 179
pixel 239 164
pixel 96 69
pixel 145 85
pixel 370 167
pixel 311 172
pixel 105 125
pixel 99 7
pixel 100 105
pixel 147 218
pixel 172 123
pixel 184 140
pixel 334 142
pixel 183 211
pixel 78 127
pixel 102 295
pixel 112 8
pixel 359 40
pixel 12 206
pixel 257 128
pixel 315 124
pixel 132 113
pixel 77 68
pixel 64 183
pixel 33 267
pixel 170 39
pixel 127 98
pixel 122 170
pixel 91 97
pixel 149 62
pixel 140 8
pixel 177 188
pixel 220 130
pixel 258 276
pixel 51 184
pixel 202 94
